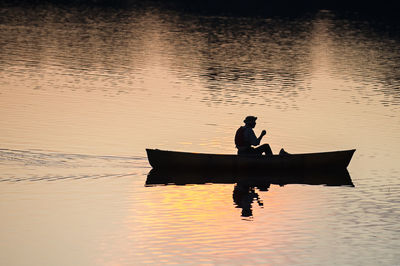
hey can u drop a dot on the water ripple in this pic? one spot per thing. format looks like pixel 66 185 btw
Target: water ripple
pixel 28 165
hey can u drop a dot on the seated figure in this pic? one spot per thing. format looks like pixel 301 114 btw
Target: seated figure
pixel 245 139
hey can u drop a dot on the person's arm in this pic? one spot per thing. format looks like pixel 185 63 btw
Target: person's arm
pixel 253 139
pixel 261 136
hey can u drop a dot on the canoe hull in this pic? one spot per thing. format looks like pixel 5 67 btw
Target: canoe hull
pixel 171 160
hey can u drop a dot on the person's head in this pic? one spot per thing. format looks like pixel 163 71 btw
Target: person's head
pixel 250 121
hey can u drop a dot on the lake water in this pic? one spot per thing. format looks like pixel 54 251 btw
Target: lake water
pixel 83 92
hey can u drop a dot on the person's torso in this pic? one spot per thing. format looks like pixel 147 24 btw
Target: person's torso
pixel 243 137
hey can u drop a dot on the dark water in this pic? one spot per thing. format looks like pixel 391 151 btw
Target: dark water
pixel 84 90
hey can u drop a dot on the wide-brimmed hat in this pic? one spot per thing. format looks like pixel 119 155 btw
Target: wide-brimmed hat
pixel 250 119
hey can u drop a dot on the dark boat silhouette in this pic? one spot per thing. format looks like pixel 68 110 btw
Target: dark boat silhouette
pixel 167 160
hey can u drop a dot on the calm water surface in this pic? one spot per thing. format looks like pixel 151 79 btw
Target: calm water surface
pixel 84 91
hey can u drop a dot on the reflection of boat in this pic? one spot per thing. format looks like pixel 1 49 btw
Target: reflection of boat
pixel 330 178
pixel 160 159
pixel 244 192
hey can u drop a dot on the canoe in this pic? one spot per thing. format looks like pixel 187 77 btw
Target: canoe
pixel 174 160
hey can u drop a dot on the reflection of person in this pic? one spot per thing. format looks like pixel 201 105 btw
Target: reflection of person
pixel 243 196
pixel 245 138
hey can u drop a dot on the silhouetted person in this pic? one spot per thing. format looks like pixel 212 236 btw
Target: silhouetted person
pixel 245 138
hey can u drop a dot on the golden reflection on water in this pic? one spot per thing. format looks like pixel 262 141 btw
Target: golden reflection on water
pixel 201 223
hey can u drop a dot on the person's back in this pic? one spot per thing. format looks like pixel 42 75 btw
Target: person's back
pixel 245 138
pixel 240 138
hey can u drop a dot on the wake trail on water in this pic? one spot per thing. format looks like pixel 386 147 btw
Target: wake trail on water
pixel 40 165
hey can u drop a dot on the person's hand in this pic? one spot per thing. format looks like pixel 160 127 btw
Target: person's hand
pixel 263 132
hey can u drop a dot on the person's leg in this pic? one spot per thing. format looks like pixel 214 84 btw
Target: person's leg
pixel 265 148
